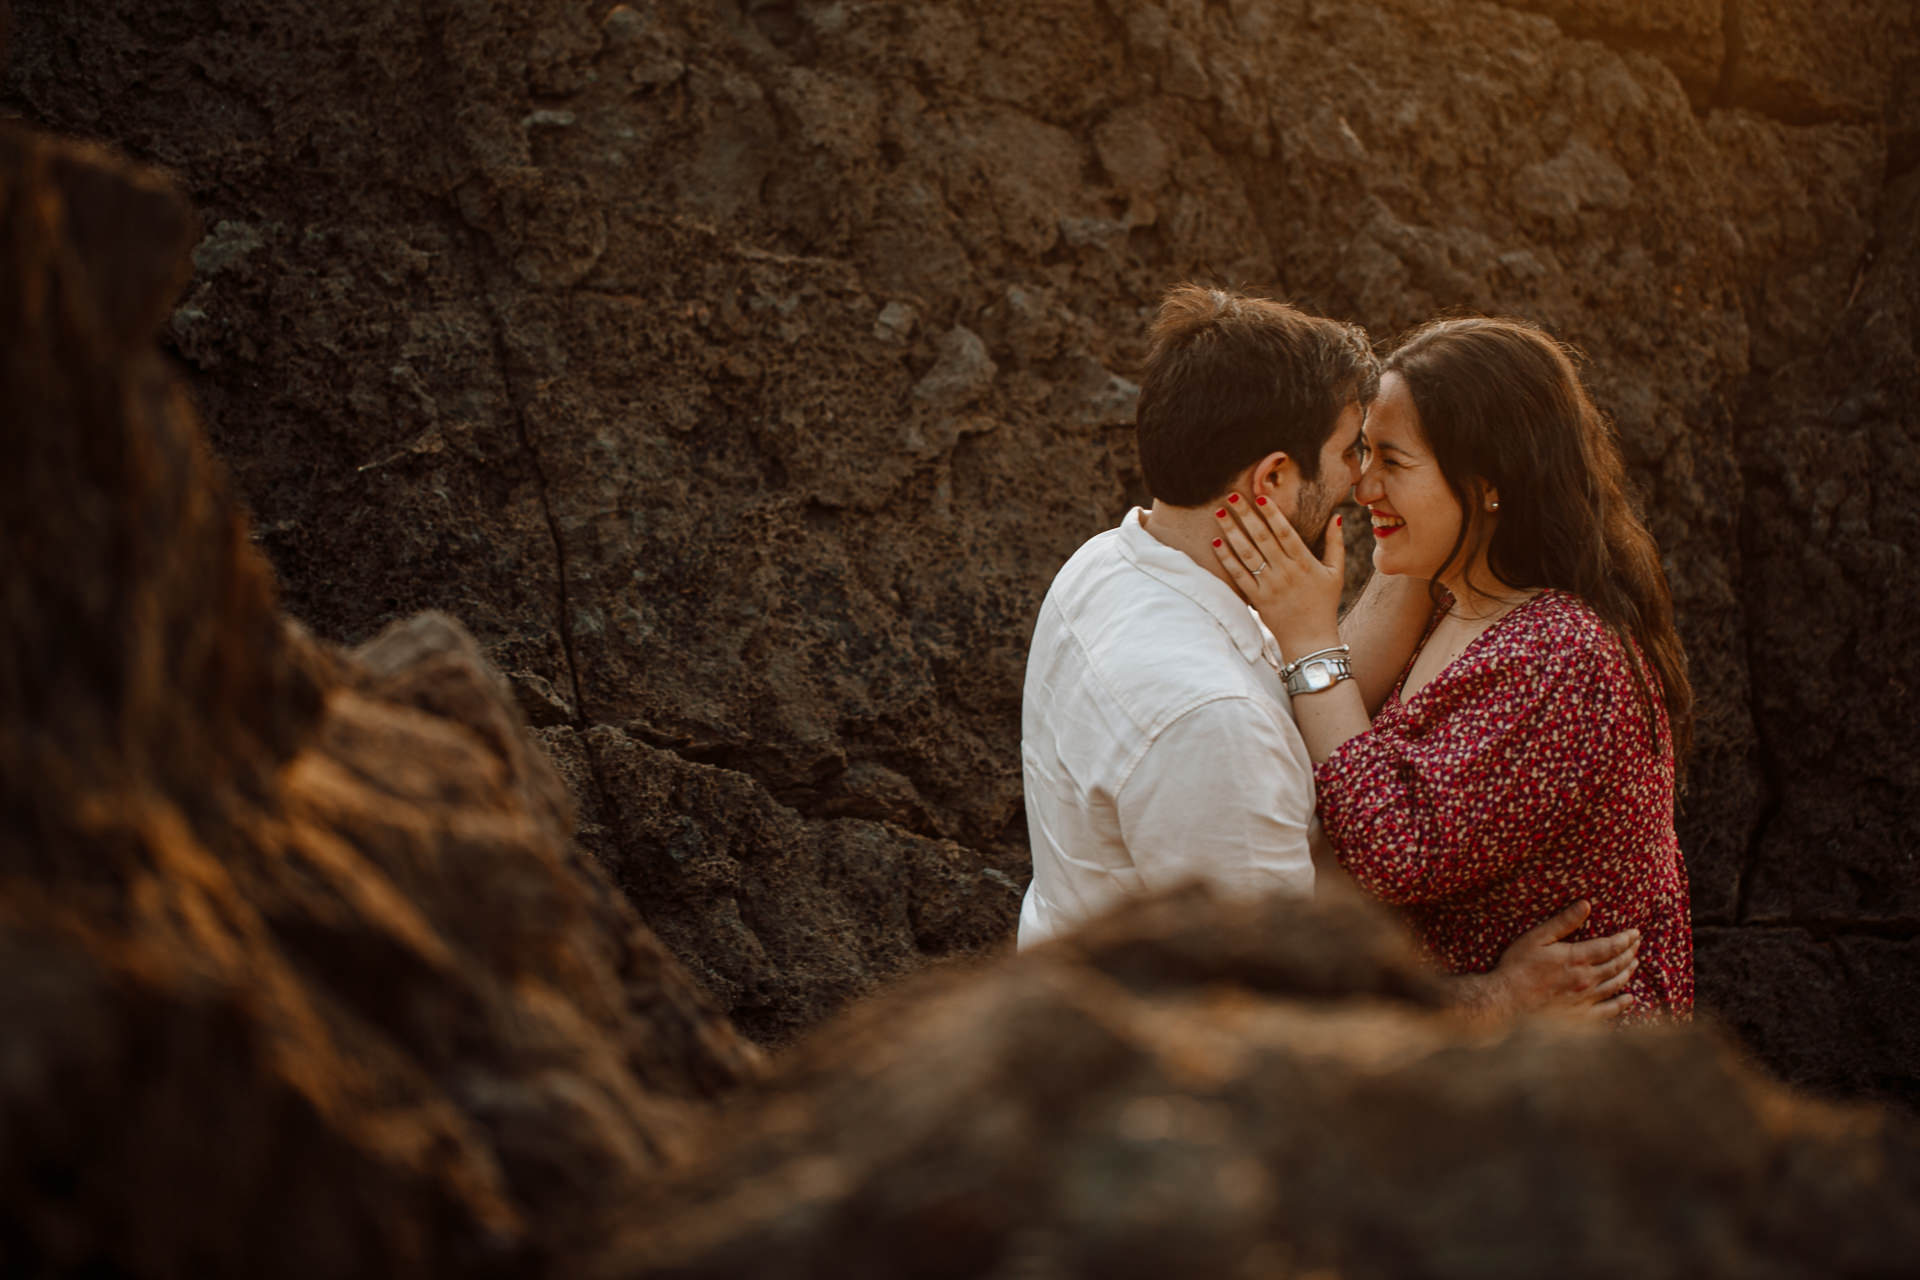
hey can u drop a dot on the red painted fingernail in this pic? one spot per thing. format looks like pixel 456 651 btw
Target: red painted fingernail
pixel 1261 500
pixel 1339 522
pixel 1221 514
pixel 1233 497
pixel 1216 542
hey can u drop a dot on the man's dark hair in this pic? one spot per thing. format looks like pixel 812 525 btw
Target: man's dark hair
pixel 1233 378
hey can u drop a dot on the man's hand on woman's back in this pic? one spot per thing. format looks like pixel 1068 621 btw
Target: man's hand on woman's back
pixel 1540 973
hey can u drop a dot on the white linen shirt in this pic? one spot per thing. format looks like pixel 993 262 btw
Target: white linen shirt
pixel 1157 742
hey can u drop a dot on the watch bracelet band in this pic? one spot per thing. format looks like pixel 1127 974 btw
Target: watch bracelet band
pixel 1336 668
pixel 1287 669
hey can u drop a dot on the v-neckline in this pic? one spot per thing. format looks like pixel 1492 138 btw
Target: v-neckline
pixel 1433 624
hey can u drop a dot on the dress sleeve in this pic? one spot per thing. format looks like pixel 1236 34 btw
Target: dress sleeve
pixel 1223 795
pixel 1447 798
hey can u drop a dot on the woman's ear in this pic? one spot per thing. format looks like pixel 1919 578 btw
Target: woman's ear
pixel 1490 498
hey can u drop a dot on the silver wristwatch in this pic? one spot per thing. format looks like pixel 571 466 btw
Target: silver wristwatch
pixel 1317 671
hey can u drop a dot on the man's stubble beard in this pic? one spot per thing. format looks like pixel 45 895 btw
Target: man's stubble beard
pixel 1316 505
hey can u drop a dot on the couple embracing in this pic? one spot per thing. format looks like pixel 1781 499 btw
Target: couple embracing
pixel 1487 740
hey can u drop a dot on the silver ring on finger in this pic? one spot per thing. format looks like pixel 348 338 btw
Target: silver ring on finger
pixel 1264 566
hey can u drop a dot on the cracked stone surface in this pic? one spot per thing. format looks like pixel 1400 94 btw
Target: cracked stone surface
pixel 740 373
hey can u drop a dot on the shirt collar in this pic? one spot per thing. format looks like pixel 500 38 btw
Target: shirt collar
pixel 1176 568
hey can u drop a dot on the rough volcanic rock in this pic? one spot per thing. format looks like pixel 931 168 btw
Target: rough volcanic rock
pixel 1267 1090
pixel 1830 481
pixel 298 972
pixel 1690 36
pixel 1866 1040
pixel 741 372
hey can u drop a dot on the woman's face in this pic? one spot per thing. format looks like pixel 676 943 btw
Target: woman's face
pixel 1415 517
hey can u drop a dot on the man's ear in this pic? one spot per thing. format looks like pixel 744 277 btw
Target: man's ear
pixel 1270 477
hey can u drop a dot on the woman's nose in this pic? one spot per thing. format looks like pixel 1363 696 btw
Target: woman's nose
pixel 1367 489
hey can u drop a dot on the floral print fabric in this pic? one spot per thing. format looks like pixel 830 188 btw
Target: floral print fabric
pixel 1525 775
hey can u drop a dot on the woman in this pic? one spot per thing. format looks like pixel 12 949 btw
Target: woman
pixel 1527 756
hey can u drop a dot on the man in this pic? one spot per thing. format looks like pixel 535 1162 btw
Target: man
pixel 1158 745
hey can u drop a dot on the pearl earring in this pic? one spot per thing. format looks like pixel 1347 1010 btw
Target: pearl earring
pixel 1494 505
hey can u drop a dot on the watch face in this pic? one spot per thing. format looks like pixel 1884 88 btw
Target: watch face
pixel 1318 677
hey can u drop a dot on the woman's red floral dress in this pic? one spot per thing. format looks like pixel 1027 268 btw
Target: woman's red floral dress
pixel 1523 777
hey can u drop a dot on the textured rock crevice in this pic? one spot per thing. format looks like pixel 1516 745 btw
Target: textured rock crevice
pixel 1770 789
pixel 517 400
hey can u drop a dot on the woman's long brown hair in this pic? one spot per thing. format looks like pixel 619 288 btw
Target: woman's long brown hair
pixel 1501 404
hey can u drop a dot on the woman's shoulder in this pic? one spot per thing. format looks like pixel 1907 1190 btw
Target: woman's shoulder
pixel 1558 631
pixel 1557 614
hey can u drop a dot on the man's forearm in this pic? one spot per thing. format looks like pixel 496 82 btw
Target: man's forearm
pixel 1483 997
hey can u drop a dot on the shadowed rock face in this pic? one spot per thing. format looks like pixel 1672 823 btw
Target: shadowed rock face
pixel 301 976
pixel 1266 1090
pixel 742 372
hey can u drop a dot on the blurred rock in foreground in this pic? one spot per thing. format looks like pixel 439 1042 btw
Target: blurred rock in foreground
pixel 298 973
pixel 1191 1088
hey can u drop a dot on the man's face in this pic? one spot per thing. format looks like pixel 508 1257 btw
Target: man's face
pixel 1315 501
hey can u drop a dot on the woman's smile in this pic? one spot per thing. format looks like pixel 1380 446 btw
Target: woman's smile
pixel 1416 516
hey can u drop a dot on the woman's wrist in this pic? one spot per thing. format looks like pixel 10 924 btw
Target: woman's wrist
pixel 1297 643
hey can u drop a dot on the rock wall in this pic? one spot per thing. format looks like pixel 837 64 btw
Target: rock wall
pixel 740 372
pixel 299 972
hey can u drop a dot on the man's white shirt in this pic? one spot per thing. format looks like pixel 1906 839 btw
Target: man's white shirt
pixel 1157 743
